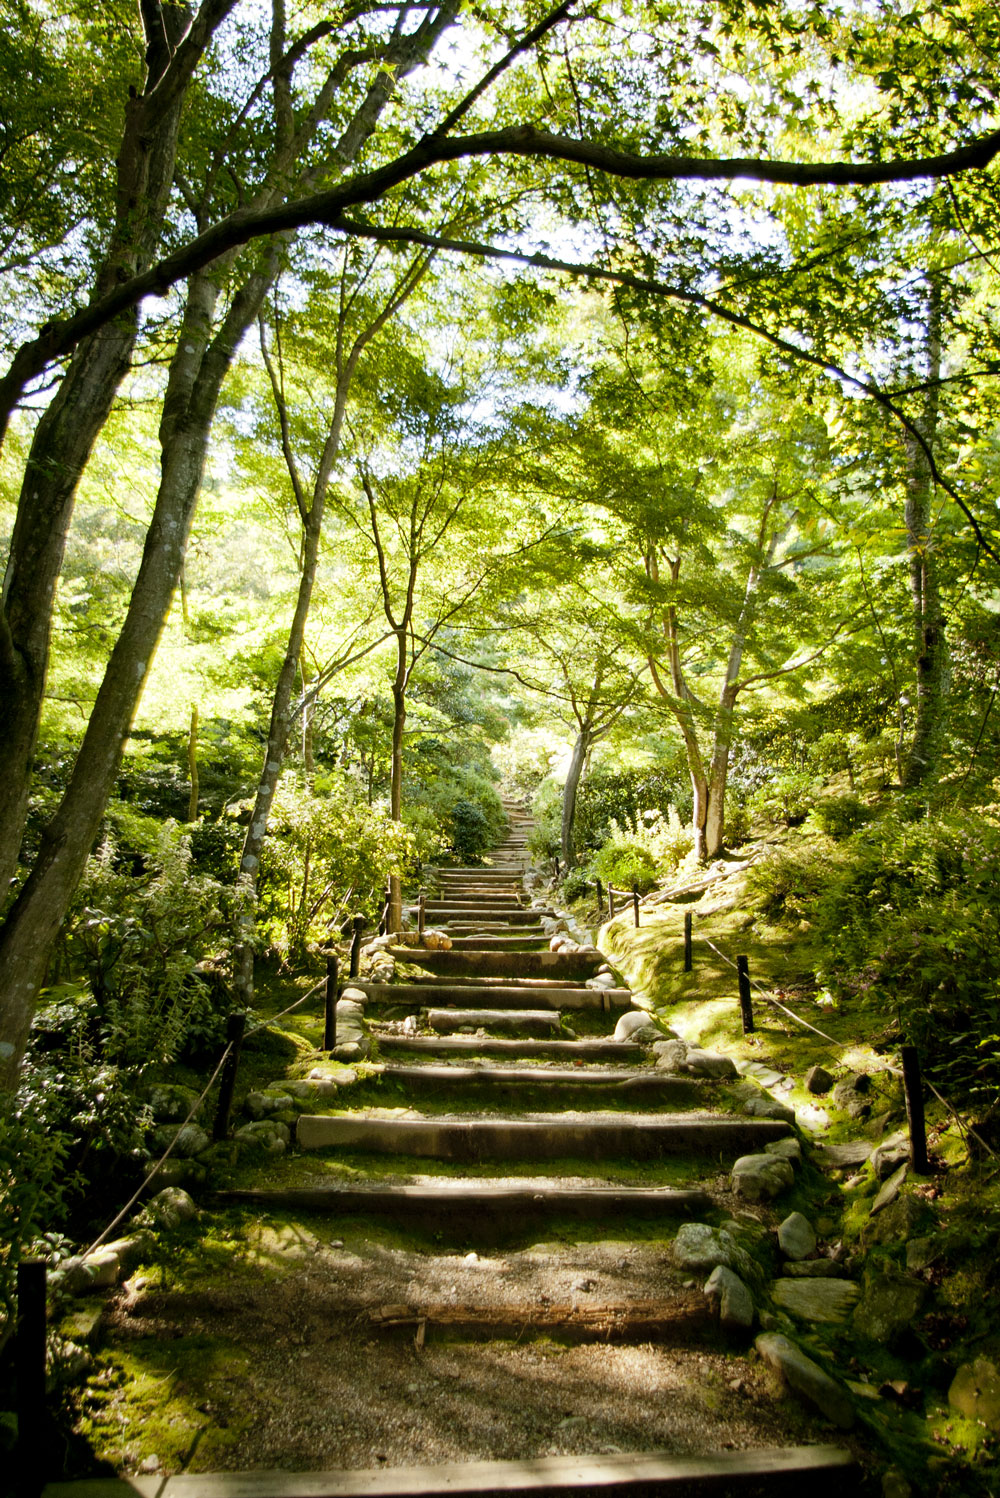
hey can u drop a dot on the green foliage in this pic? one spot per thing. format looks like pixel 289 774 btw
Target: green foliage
pixel 618 795
pixel 785 886
pixel 839 816
pixel 786 800
pixel 142 921
pixel 327 854
pixel 626 864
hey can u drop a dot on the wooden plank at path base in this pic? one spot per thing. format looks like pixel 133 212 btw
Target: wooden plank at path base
pixel 675 1322
pixel 826 1469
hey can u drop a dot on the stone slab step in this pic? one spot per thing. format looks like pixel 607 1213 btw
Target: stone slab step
pixel 477 1203
pixel 496 943
pixel 526 1021
pixel 496 996
pixel 618 1136
pixel 514 915
pixel 499 964
pixel 584 1051
pixel 644 1084
pixel 490 904
pixel 532 985
pixel 828 1470
pixel 522 932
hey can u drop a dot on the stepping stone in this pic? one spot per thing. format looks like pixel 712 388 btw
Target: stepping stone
pixel 530 1021
pixel 827 1300
pixel 777 1470
pixel 614 1136
pixel 506 997
pixel 474 1045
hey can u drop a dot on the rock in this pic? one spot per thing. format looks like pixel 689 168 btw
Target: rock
pixel 709 1064
pixel 921 1253
pixel 83 1325
pixel 769 1107
pixel 187 1141
pixel 633 1022
pixel 171 1103
pixel 316 1089
pixel 670 1055
pixel 896 1223
pixel 818 1080
pixel 351 1050
pixel 852 1095
pixel 888 1306
pixel 354 995
pixel 698 1246
pixel 796 1238
pixel 171 1173
pixel 170 1207
pixel 785 1149
pixel 806 1378
pixel 975 1392
pixel 332 1071
pixel 761 1177
pixel 827 1300
pixel 736 1307
pixel 842 1156
pixel 602 980
pixel 261 1104
pixel 814 1269
pixel 268 1135
pixel 891 1189
pixel 889 1155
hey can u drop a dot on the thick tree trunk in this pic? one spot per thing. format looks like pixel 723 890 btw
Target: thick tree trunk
pixel 69 427
pixel 571 790
pixel 930 640
pixel 399 684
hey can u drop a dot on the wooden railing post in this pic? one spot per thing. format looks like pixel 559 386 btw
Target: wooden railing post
pixel 915 1110
pixel 332 990
pixel 746 997
pixel 611 902
pixel 421 915
pixel 358 926
pixel 635 904
pixel 688 955
pixel 29 1378
pixel 600 898
pixel 235 1026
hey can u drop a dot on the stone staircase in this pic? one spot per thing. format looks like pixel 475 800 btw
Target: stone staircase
pixel 528 1106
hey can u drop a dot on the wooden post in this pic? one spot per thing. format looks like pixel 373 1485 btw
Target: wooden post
pixel 332 989
pixel 746 998
pixel 611 902
pixel 358 925
pixel 635 904
pixel 421 915
pixel 383 924
pixel 600 898
pixel 688 957
pixel 235 1026
pixel 915 1110
pixel 557 868
pixel 29 1377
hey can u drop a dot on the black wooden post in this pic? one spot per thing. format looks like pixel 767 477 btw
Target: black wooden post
pixel 915 1110
pixel 611 902
pixel 29 1377
pixel 421 915
pixel 557 868
pixel 600 898
pixel 332 989
pixel 746 998
pixel 358 925
pixel 635 904
pixel 235 1026
pixel 383 924
pixel 688 956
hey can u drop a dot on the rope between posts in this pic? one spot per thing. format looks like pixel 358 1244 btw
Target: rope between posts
pixel 191 1113
pixel 770 997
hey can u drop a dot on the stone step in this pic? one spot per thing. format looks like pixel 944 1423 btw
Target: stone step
pixel 523 932
pixel 524 1021
pixel 501 964
pixel 496 996
pixel 625 1083
pixel 533 984
pixel 580 1052
pixel 612 1136
pixel 502 904
pixel 496 943
pixel 479 1204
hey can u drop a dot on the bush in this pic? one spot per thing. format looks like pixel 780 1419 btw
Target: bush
pixel 621 796
pixel 839 816
pixel 625 864
pixel 785 886
pixel 787 799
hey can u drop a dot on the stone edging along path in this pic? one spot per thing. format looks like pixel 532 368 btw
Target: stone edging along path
pixel 499 1009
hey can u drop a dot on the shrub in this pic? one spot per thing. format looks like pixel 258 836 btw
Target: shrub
pixel 839 816
pixel 625 864
pixel 788 798
pixel 785 886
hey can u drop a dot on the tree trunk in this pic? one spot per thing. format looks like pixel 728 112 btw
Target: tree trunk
pixel 574 774
pixel 399 684
pixel 67 430
pixel 932 665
